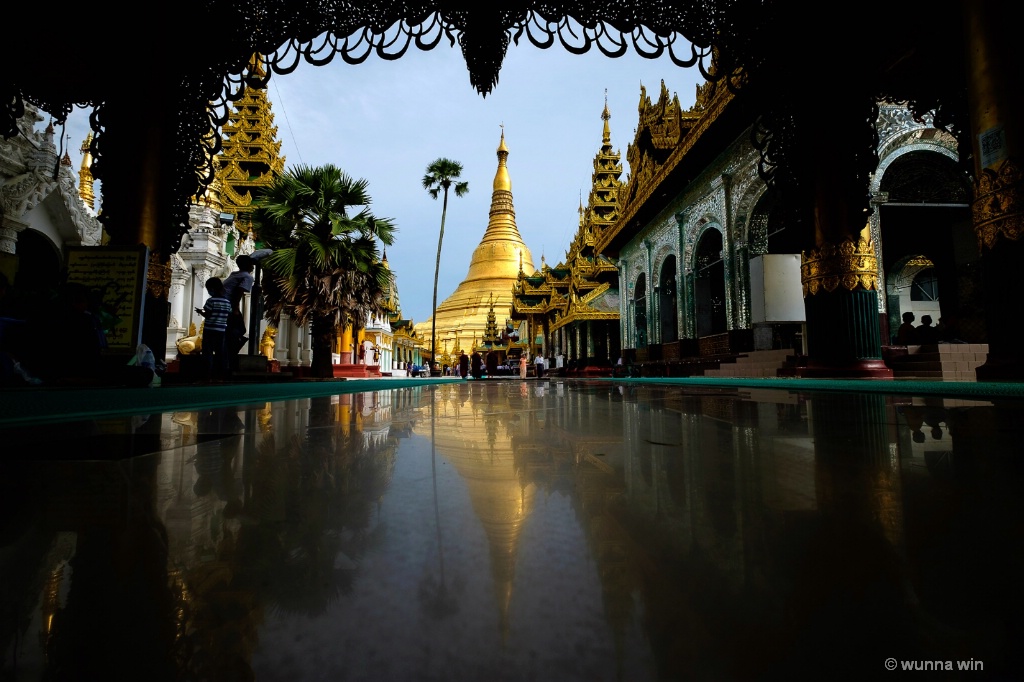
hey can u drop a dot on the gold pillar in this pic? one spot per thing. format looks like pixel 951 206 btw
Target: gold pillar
pixel 346 345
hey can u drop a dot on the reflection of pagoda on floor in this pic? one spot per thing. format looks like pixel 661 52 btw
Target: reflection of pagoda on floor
pixel 483 457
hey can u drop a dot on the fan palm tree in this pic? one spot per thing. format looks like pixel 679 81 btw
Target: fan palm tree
pixel 441 175
pixel 325 268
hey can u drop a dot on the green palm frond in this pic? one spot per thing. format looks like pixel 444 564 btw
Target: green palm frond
pixel 326 263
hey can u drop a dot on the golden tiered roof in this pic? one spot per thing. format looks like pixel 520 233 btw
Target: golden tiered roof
pixel 665 134
pixel 251 155
pixel 585 285
pixel 493 269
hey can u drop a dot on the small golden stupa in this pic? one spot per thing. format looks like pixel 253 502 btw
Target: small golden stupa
pixel 494 268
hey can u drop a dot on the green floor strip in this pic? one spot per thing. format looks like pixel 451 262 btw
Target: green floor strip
pixel 40 405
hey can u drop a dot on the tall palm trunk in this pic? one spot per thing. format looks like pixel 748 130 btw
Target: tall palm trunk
pixel 437 267
pixel 322 340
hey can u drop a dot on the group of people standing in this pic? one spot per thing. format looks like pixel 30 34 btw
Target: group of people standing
pixel 474 365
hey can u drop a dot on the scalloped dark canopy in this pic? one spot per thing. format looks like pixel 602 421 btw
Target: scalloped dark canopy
pixel 184 60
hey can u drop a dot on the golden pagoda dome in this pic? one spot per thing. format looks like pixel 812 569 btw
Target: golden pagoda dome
pixel 493 269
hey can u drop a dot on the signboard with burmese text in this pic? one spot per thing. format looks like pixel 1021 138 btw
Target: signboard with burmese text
pixel 116 279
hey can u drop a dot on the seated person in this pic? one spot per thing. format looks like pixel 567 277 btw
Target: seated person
pixel 926 333
pixel 906 335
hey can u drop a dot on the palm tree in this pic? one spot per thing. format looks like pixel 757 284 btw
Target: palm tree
pixel 325 268
pixel 441 175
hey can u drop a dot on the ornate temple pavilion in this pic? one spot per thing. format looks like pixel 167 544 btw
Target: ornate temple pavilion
pixel 573 307
pixel 493 269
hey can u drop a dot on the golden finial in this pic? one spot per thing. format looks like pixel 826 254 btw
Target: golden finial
pixel 606 137
pixel 85 178
pixel 502 181
pixel 501 145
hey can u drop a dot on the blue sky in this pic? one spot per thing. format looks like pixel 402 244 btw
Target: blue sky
pixel 386 120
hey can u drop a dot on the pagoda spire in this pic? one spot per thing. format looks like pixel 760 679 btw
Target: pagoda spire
pixel 501 240
pixel 85 178
pixel 603 204
pixel 606 139
pixel 493 269
pixel 251 156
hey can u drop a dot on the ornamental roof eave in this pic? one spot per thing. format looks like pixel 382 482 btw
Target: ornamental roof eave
pixel 722 121
pixel 582 316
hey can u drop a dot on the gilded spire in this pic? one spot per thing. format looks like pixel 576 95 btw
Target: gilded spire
pixel 251 156
pixel 85 179
pixel 493 269
pixel 606 139
pixel 501 178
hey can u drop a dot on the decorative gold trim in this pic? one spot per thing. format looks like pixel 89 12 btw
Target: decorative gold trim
pixel 849 264
pixel 997 209
pixel 158 276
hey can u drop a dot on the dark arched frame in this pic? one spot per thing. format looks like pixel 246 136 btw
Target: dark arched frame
pixel 709 285
pixel 640 311
pixel 668 302
pixel 189 91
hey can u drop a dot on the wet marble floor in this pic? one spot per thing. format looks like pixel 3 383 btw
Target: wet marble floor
pixel 509 530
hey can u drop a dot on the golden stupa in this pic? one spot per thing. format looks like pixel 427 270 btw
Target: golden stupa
pixel 494 268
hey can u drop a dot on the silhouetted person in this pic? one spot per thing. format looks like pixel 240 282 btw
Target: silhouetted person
pixel 69 345
pixel 926 333
pixel 906 335
pixel 476 365
pixel 464 365
pixel 492 364
pixel 237 284
pixel 216 312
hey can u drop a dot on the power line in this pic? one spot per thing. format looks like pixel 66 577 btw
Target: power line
pixel 280 100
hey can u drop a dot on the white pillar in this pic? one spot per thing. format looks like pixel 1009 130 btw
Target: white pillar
pixel 293 344
pixel 306 354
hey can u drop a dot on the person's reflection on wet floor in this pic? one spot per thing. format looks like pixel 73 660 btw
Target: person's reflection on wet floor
pixel 217 445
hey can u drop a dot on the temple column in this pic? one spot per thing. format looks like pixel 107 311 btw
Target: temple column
pixel 138 182
pixel 306 341
pixel 590 342
pixel 293 343
pixel 9 229
pixel 996 107
pixel 180 277
pixel 346 346
pixel 281 347
pixel 840 274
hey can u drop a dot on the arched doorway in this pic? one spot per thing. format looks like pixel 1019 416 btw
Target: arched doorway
pixel 39 266
pixel 929 251
pixel 668 306
pixel 912 286
pixel 640 312
pixel 768 235
pixel 709 285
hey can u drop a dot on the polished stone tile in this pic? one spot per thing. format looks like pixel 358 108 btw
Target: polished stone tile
pixel 510 530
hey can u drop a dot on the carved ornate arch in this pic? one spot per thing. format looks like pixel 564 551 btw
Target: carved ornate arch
pixel 754 46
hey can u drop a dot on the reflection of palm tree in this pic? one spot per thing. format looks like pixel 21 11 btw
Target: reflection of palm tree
pixel 437 601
